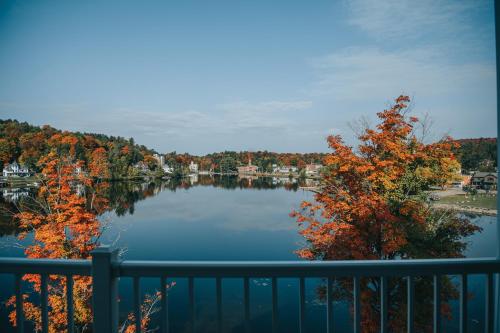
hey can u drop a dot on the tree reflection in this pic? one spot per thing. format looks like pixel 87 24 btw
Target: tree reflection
pixel 63 215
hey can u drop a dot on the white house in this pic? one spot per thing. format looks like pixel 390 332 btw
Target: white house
pixel 167 168
pixel 15 170
pixel 160 159
pixel 141 166
pixel 313 169
pixel 284 169
pixel 193 167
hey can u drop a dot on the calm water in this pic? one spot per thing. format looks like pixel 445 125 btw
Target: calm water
pixel 228 219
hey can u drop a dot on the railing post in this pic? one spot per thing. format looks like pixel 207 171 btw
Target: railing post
pixel 104 290
pixel 496 321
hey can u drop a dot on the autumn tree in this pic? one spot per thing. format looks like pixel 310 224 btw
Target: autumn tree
pixel 6 151
pixel 33 146
pixel 372 204
pixel 63 220
pixel 62 227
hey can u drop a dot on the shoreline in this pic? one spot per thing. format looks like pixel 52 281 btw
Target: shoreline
pixel 446 206
pixel 466 209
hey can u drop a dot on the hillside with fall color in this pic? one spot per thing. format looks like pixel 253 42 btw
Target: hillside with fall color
pixel 27 144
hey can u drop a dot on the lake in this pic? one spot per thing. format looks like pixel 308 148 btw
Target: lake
pixel 225 218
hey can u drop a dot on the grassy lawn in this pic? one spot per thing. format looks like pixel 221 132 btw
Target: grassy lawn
pixel 479 200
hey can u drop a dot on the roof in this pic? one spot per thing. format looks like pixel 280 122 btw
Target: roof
pixel 481 174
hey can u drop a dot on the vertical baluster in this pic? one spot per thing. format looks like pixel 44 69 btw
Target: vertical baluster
pixel 329 305
pixel 463 303
pixel 164 305
pixel 357 305
pixel 302 305
pixel 384 293
pixel 246 303
pixel 274 286
pixel 437 303
pixel 410 304
pixel 70 312
pixel 19 303
pixel 137 304
pixel 44 304
pixel 489 304
pixel 191 304
pixel 218 291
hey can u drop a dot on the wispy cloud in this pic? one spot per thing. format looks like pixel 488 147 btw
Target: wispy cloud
pixel 275 107
pixel 371 73
pixel 273 115
pixel 394 19
pixel 223 119
pixel 418 49
pixel 438 52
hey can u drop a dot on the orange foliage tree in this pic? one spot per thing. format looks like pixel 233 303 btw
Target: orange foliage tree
pixel 372 204
pixel 62 227
pixel 63 219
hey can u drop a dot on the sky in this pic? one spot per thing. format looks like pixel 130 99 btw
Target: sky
pixel 206 76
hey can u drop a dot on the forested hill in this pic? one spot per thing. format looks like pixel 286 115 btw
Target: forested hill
pixel 25 143
pixel 477 154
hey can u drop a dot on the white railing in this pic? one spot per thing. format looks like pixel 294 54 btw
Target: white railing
pixel 106 269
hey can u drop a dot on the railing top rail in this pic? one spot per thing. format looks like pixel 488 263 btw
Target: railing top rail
pixel 45 266
pixel 307 268
pixel 130 268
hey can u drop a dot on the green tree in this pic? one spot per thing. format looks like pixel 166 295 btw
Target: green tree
pixel 227 164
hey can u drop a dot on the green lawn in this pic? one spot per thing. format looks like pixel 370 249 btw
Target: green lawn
pixel 479 200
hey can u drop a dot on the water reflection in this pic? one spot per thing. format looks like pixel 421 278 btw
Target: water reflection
pixel 121 196
pixel 60 220
pixel 224 218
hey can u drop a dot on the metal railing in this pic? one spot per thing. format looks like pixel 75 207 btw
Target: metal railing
pixel 106 269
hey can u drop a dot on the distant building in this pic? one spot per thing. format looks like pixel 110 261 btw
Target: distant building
pixel 284 169
pixel 160 159
pixel 15 170
pixel 141 166
pixel 193 167
pixel 248 169
pixel 167 168
pixel 313 169
pixel 484 180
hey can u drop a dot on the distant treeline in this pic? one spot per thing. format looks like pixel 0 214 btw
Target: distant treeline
pixel 228 161
pixel 477 154
pixel 25 143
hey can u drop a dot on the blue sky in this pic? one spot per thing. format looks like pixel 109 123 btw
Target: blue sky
pixel 209 76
